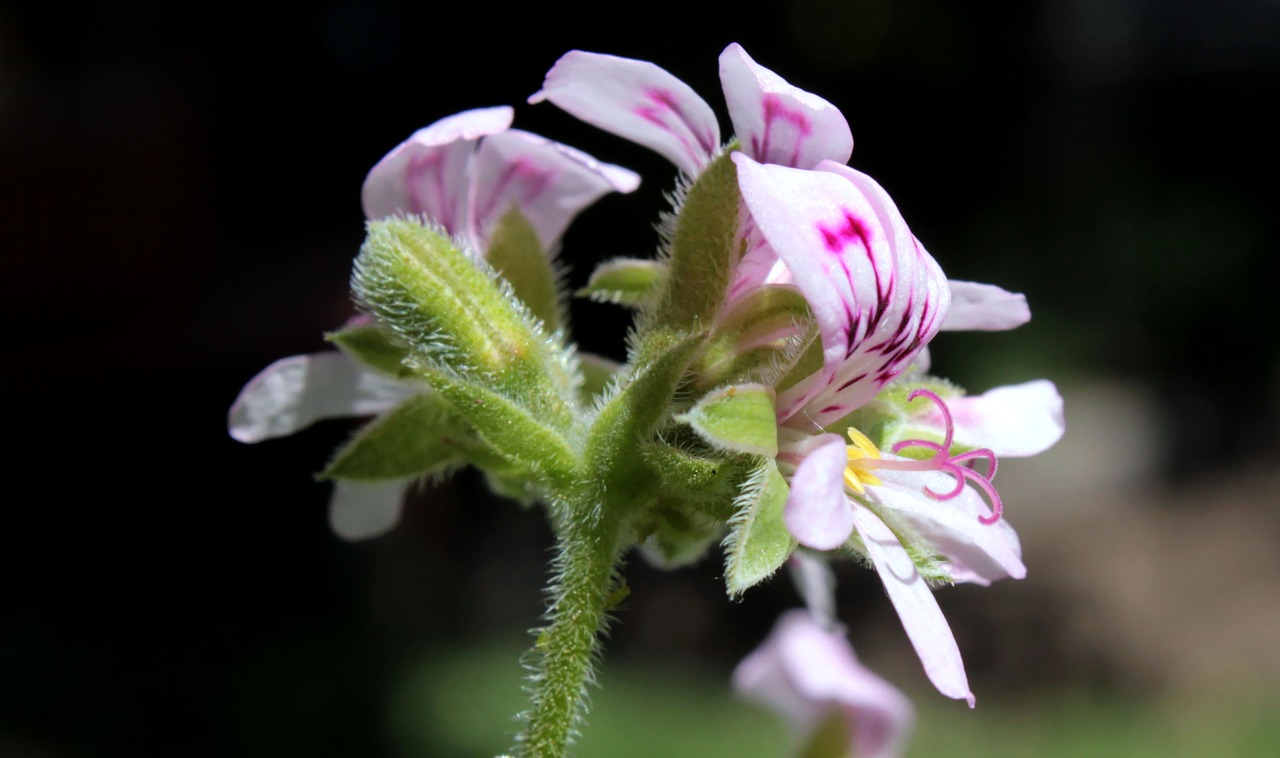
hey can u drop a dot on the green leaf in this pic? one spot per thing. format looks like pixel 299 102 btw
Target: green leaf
pixel 516 254
pixel 704 246
pixel 626 281
pixel 739 418
pixel 758 542
pixel 420 436
pixel 374 345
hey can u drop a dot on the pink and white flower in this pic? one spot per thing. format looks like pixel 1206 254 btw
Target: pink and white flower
pixel 878 298
pixel 807 672
pixel 464 172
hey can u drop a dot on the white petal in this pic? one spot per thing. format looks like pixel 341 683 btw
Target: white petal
pixel 635 100
pixel 1016 420
pixel 548 182
pixel 817 512
pixel 776 122
pixel 984 307
pixel 917 608
pixel 803 669
pixel 295 392
pixel 979 553
pixel 363 510
pixel 428 173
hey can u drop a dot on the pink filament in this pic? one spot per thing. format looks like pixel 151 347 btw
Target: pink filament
pixel 958 466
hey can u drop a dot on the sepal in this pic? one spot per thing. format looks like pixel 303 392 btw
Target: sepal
pixel 631 282
pixel 758 542
pixel 517 255
pixel 739 418
pixel 374 345
pixel 421 436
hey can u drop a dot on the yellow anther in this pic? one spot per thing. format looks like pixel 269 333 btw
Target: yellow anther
pixel 860 454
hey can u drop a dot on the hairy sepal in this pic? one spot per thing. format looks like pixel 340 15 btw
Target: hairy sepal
pixel 758 542
pixel 419 437
pixel 517 255
pixel 703 247
pixel 739 419
pixel 631 282
pixel 374 345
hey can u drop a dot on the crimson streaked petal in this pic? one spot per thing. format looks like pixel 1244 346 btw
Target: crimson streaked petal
pixel 776 122
pixel 921 617
pixel 549 183
pixel 427 174
pixel 636 100
pixel 984 307
pixel 877 295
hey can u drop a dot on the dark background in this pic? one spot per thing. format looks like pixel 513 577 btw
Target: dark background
pixel 179 206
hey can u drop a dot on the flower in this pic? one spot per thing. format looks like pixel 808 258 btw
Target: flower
pixel 464 172
pixel 878 298
pixel 808 673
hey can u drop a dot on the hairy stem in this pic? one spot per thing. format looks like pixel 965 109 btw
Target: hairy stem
pixel 565 652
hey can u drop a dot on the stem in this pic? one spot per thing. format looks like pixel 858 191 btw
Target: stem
pixel 566 649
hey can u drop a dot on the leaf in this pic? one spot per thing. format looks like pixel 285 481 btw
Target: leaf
pixel 758 542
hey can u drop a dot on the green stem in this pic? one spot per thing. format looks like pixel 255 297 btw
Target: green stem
pixel 567 648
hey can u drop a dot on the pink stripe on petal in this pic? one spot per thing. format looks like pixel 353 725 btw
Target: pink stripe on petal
pixel 776 122
pixel 636 100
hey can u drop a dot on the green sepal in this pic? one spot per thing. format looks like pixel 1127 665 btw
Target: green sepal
pixel 767 310
pixel 704 245
pixel 533 449
pixel 628 416
pixel 626 281
pixel 516 254
pixel 758 542
pixel 739 418
pixel 461 319
pixel 374 345
pixel 420 436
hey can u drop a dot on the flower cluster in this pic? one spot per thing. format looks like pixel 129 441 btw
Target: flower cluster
pixel 776 386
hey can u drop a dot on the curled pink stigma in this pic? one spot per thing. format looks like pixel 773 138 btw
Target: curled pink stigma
pixel 960 467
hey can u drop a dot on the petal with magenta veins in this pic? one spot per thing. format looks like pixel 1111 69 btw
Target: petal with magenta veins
pixel 1017 420
pixel 364 510
pixel 917 608
pixel 547 182
pixel 427 174
pixel 817 512
pixel 776 122
pixel 636 100
pixel 877 295
pixel 978 553
pixel 984 308
pixel 295 392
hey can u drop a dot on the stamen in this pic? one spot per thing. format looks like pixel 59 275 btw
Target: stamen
pixel 958 466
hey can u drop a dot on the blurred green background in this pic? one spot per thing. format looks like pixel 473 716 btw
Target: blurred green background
pixel 179 206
